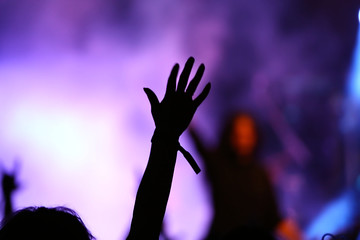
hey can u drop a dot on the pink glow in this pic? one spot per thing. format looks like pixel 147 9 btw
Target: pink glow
pixel 74 112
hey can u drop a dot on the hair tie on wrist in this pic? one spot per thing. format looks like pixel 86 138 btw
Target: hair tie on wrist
pixel 190 159
pixel 185 153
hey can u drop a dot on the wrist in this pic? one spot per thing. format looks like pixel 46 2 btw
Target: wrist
pixel 165 136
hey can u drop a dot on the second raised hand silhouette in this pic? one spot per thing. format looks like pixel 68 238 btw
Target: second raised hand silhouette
pixel 174 113
pixel 9 186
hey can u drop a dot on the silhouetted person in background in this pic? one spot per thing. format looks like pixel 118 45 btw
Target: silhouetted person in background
pixel 171 116
pixel 243 199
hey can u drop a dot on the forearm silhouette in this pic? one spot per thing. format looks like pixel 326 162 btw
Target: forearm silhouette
pixel 9 185
pixel 171 116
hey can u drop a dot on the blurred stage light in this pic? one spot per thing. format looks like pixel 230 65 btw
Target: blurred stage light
pixel 341 213
pixel 354 74
pixel 335 217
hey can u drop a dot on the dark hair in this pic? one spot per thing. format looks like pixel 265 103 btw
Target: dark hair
pixel 44 223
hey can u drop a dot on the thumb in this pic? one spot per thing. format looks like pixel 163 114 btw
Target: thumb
pixel 154 101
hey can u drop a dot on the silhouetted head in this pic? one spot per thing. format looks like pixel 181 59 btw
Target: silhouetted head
pixel 44 223
pixel 240 135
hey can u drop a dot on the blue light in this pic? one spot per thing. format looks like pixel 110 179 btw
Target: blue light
pixel 335 217
pixel 354 74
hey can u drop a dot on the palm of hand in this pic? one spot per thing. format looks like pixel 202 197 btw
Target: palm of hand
pixel 174 113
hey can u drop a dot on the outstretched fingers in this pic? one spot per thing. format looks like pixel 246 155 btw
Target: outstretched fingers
pixel 195 82
pixel 184 77
pixel 202 96
pixel 171 84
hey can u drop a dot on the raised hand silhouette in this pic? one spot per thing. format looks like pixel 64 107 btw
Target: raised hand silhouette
pixel 171 116
pixel 174 113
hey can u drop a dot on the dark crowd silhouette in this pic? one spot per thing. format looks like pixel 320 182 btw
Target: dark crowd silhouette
pixel 244 201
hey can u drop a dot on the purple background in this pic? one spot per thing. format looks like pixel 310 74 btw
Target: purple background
pixel 75 120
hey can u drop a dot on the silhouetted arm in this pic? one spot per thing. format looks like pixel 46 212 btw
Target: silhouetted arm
pixel 8 187
pixel 171 116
